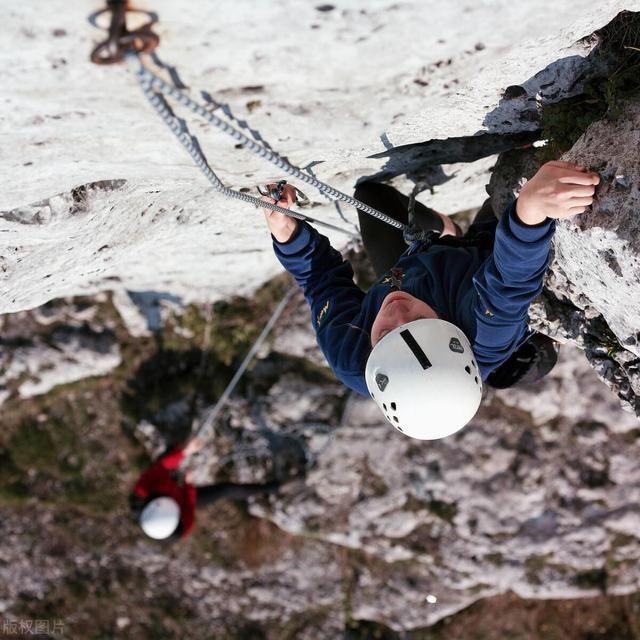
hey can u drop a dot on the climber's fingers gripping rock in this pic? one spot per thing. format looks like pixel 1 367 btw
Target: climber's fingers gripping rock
pixel 558 190
pixel 282 227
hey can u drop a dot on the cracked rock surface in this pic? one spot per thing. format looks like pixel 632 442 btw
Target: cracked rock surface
pixel 538 496
pixel 593 286
pixel 34 359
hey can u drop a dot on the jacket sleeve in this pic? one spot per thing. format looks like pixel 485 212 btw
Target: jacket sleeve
pixel 506 284
pixel 327 281
pixel 172 459
pixel 156 477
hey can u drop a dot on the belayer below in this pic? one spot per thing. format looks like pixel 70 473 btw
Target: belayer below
pixel 164 504
pixel 441 319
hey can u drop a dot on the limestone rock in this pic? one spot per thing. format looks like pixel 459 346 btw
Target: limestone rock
pixel 593 286
pixel 537 495
pixel 98 195
pixel 54 345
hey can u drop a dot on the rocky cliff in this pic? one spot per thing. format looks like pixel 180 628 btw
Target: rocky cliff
pixel 593 288
pixel 98 195
pixel 538 496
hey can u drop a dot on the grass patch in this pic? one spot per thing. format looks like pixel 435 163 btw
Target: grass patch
pixel 50 460
pixel 444 510
pixel 13 487
pixel 592 579
pixel 496 559
pixel 533 567
pixel 43 445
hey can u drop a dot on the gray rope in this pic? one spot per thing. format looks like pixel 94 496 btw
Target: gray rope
pixel 204 430
pixel 226 109
pixel 149 82
pixel 187 141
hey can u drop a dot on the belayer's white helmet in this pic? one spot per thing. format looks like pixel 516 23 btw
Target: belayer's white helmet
pixel 160 517
pixel 424 377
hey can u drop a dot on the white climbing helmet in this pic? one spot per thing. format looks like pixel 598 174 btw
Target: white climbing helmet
pixel 160 517
pixel 424 377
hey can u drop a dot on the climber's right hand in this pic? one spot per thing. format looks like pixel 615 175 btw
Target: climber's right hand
pixel 282 227
pixel 193 446
pixel 558 190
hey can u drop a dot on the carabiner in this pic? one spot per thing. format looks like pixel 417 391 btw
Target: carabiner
pixel 278 189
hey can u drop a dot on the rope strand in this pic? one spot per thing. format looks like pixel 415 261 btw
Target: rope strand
pixel 187 141
pixel 205 428
pixel 150 81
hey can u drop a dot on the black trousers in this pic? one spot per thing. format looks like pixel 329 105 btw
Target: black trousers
pixel 230 491
pixel 383 243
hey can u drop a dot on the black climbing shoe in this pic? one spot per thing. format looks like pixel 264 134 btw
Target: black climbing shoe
pixel 531 362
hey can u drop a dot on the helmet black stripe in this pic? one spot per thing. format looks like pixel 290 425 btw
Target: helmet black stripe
pixel 417 351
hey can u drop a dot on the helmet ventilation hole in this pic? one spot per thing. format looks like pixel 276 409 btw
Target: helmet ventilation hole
pixel 384 406
pixel 395 418
pixel 477 380
pixel 399 428
pixel 393 406
pixel 468 369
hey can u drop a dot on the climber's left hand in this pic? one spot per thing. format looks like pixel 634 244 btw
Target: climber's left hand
pixel 282 227
pixel 558 190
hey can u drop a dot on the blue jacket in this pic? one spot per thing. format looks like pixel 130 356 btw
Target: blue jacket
pixel 485 292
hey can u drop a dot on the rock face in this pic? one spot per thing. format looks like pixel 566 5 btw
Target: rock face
pixel 593 286
pixel 34 359
pixel 538 495
pixel 98 195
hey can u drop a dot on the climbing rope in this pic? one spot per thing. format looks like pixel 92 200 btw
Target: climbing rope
pixel 151 83
pixel 179 129
pixel 123 44
pixel 128 45
pixel 205 429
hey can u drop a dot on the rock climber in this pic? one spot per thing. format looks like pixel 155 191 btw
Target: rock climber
pixel 164 503
pixel 441 319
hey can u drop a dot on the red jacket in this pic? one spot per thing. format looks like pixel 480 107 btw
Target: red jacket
pixel 157 480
